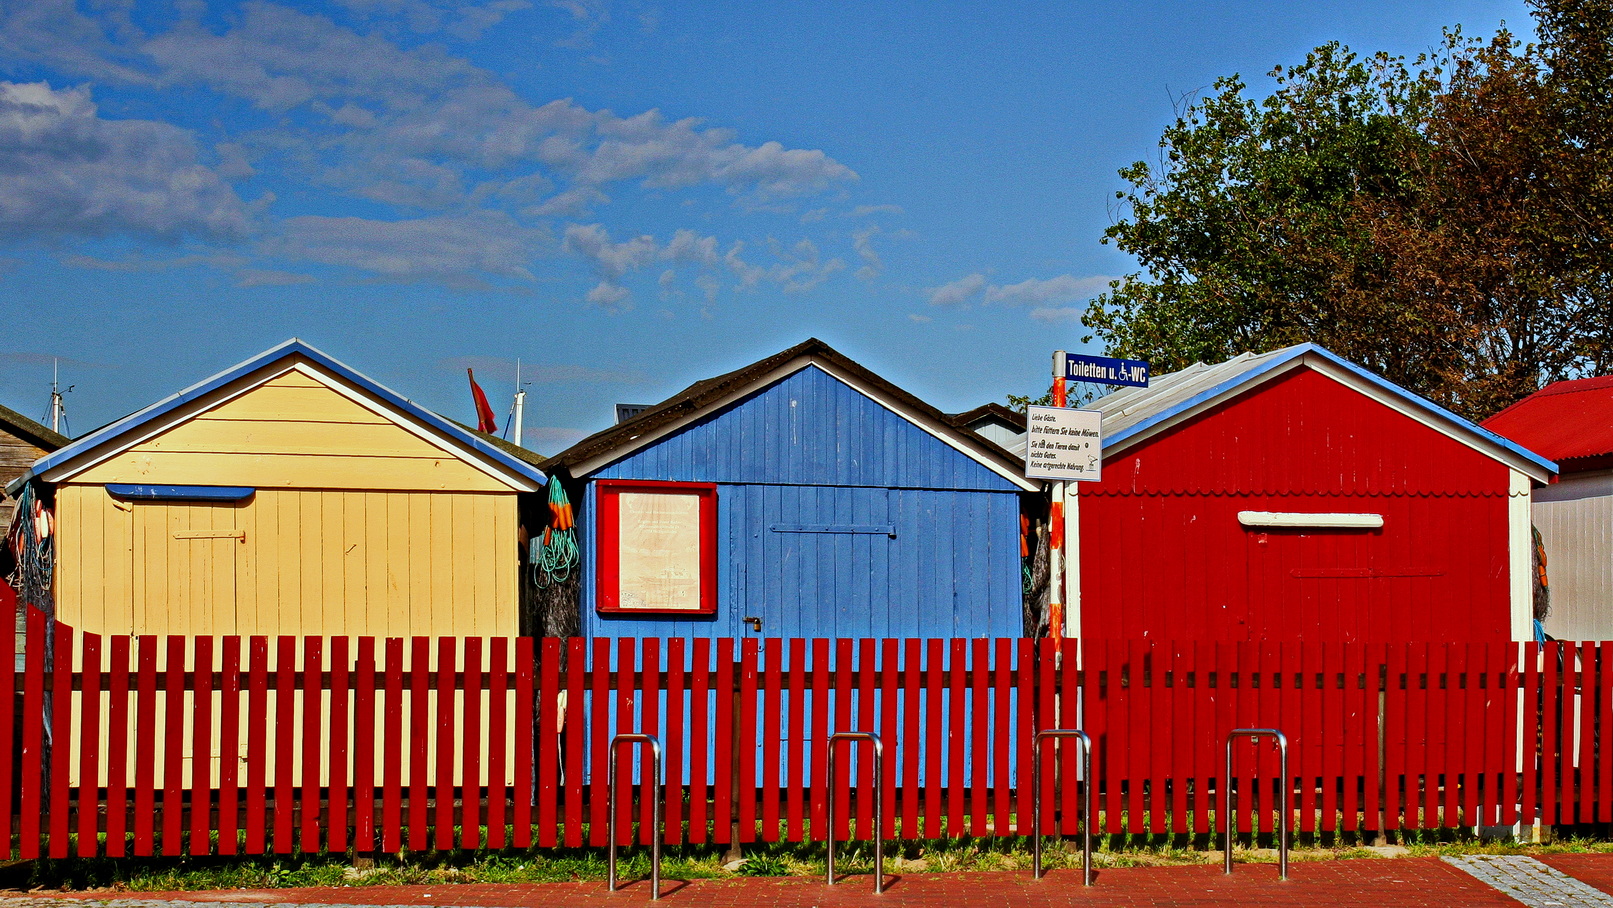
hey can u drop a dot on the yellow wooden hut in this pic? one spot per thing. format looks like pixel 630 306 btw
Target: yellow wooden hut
pixel 287 495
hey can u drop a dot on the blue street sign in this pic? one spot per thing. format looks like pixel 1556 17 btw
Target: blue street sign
pixel 1105 370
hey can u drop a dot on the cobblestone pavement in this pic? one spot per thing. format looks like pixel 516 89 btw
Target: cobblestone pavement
pixel 1412 883
pixel 1531 882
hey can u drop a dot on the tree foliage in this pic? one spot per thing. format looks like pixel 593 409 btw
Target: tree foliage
pixel 1445 222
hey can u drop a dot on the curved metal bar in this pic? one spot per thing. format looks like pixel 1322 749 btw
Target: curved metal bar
pixel 1085 740
pixel 655 794
pixel 1283 818
pixel 878 795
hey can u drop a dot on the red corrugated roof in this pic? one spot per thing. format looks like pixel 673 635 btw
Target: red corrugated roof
pixel 1563 421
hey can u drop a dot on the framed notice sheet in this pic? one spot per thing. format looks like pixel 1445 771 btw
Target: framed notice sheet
pixel 657 547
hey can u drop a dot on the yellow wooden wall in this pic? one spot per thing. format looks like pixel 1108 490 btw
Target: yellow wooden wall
pixel 301 562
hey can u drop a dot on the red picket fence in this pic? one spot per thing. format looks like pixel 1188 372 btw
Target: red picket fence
pixel 251 745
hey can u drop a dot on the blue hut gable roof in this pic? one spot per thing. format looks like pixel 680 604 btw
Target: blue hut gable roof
pixel 806 416
pixel 132 427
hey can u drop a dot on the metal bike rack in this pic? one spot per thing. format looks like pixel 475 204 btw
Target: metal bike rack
pixel 655 794
pixel 1283 818
pixel 878 795
pixel 1085 740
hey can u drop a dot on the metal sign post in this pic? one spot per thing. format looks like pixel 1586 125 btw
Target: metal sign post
pixel 878 795
pixel 655 794
pixel 1283 818
pixel 1083 739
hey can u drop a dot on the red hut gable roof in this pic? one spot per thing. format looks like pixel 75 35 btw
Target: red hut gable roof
pixel 1569 421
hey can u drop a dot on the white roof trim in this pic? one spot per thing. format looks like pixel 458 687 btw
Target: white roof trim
pixel 944 434
pixel 252 381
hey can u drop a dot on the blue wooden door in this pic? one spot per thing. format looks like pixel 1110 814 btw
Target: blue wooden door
pixel 825 570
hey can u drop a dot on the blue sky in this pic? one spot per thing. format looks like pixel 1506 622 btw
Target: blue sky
pixel 626 195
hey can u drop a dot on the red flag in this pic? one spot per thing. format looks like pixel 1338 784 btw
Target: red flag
pixel 486 421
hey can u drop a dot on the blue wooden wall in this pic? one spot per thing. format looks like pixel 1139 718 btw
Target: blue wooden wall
pixel 936 552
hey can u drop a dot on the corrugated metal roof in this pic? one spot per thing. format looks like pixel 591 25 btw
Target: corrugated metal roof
pixel 1135 413
pixel 1565 420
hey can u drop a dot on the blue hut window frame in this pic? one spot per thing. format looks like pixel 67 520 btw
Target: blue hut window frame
pixel 682 534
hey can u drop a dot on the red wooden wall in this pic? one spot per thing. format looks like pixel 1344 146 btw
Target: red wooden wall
pixel 1164 557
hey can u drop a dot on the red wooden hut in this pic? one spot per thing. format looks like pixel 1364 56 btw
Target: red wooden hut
pixel 1293 496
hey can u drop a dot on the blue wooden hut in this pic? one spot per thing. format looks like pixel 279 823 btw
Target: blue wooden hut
pixel 800 496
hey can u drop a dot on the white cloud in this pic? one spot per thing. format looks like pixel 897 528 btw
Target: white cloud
pixel 862 242
pixel 920 319
pixel 608 295
pixel 1056 315
pixel 1034 292
pixel 1064 288
pixel 957 292
pixel 486 243
pixel 862 211
pixel 795 268
pixel 593 242
pixel 65 170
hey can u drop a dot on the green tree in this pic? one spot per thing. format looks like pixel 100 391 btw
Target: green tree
pixel 1442 223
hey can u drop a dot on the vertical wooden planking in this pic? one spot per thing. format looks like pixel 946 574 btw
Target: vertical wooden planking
pixel 31 778
pixel 61 753
pixel 626 723
pixel 364 715
pixel 1490 704
pixel 1025 759
pixel 1204 731
pixel 1158 768
pixel 448 741
pixel 1116 752
pixel 89 767
pixel 650 723
pixel 1002 729
pixel 312 695
pixel 1225 719
pixel 1137 734
pixel 1585 708
pixel 285 759
pixel 1316 784
pixel 796 742
pixel 470 746
pixel 173 770
pixel 1467 741
pixel 8 727
pixel 889 662
pixel 957 728
pixel 934 744
pixel 229 746
pixel 862 755
pixel 499 731
pixel 1356 738
pixel 1084 674
pixel 1532 719
pixel 1182 751
pixel 201 749
pixel 980 737
pixel 1046 717
pixel 1245 668
pixel 744 739
pixel 392 752
pixel 699 738
pixel 1551 680
pixel 336 785
pixel 257 744
pixel 1394 725
pixel 1422 764
pixel 1604 762
pixel 145 750
pixel 820 738
pixel 1334 725
pixel 772 733
pixel 676 735
pixel 576 741
pixel 912 736
pixel 1508 768
pixel 844 669
pixel 419 742
pixel 724 778
pixel 525 731
pixel 549 707
pixel 598 718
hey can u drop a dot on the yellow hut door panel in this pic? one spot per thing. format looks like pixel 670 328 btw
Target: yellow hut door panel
pixel 185 555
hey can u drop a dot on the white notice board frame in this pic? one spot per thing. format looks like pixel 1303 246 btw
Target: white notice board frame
pixel 1063 444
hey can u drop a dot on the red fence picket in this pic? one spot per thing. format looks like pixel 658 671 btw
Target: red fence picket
pixel 327 743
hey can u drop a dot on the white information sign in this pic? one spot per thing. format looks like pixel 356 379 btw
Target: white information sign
pixel 1061 443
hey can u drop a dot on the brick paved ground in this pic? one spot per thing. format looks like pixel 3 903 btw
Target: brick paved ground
pixel 1535 884
pixel 1375 883
pixel 1595 869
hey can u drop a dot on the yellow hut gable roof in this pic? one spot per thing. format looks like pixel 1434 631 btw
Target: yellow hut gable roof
pixel 291 417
